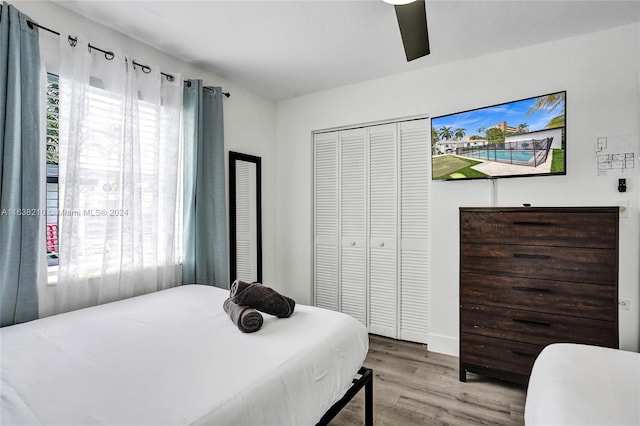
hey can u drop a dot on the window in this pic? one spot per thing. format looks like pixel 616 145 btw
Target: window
pixel 101 187
pixel 53 100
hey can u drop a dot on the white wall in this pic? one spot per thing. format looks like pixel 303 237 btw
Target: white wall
pixel 600 73
pixel 249 119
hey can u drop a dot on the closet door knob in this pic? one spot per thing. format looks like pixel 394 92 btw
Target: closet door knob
pixel 353 243
pixel 382 244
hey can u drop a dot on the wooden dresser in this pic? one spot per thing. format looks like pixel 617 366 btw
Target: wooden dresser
pixel 534 276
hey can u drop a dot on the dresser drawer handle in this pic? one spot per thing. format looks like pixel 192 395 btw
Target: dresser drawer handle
pixel 515 222
pixel 532 322
pixel 531 289
pixel 532 256
pixel 527 354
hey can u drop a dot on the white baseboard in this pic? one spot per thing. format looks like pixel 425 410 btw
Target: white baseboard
pixel 412 336
pixel 444 344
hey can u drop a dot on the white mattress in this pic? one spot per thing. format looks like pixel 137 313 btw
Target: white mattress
pixel 175 358
pixel 584 385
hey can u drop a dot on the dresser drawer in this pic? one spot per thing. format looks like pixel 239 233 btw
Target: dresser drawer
pixel 559 228
pixel 586 265
pixel 535 327
pixel 498 354
pixel 595 301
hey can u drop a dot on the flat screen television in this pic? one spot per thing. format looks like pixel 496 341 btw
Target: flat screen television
pixel 514 139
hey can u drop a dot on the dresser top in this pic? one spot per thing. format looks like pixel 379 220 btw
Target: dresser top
pixel 584 209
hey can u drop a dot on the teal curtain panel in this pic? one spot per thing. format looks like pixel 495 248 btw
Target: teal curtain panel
pixel 21 179
pixel 205 257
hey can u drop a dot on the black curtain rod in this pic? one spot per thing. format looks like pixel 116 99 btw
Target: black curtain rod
pixel 213 89
pixel 109 55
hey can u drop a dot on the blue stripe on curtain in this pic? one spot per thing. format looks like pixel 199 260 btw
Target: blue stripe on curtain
pixel 205 258
pixel 21 151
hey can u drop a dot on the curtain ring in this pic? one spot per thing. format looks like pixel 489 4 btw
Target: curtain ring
pixel 170 78
pixel 73 42
pixel 109 55
pixel 145 68
pixel 188 83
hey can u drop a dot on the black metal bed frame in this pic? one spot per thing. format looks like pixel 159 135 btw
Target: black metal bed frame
pixel 365 380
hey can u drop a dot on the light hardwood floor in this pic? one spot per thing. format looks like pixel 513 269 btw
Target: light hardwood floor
pixel 415 387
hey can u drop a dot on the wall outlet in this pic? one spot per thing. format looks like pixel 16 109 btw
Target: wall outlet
pixel 624 304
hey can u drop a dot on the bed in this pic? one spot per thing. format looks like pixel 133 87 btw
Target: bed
pixel 583 385
pixel 175 358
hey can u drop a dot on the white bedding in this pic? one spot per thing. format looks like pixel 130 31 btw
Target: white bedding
pixel 584 385
pixel 175 358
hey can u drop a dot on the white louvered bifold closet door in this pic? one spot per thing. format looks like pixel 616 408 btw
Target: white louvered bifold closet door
pixel 326 220
pixel 371 234
pixel 415 170
pixel 383 301
pixel 353 195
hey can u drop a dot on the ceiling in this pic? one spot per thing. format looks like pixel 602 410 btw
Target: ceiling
pixel 283 49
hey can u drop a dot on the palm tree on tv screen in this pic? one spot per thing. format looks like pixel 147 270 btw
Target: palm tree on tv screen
pixel 445 133
pixel 551 103
pixel 557 121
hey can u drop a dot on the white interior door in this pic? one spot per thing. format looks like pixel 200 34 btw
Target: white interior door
pixel 353 190
pixel 415 172
pixel 383 300
pixel 326 246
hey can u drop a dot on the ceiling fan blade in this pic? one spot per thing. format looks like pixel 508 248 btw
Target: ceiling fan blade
pixel 412 20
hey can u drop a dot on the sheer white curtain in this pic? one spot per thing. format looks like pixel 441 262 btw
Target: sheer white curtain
pixel 119 179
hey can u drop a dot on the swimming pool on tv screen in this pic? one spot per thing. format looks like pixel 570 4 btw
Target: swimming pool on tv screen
pixel 503 155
